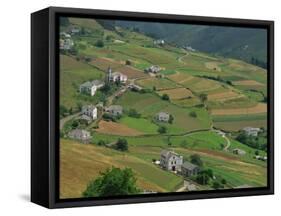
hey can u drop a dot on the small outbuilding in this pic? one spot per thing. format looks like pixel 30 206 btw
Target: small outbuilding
pixel 189 169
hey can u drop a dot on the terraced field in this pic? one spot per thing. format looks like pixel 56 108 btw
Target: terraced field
pixel 206 92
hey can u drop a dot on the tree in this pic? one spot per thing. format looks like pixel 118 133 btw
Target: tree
pixel 165 97
pixel 101 143
pixel 195 159
pixel 162 129
pixel 63 110
pixel 203 97
pixel 257 152
pixel 223 181
pixel 217 185
pixel 99 43
pixel 122 144
pixel 133 113
pixel 193 114
pixel 171 119
pixel 112 182
pixel 203 178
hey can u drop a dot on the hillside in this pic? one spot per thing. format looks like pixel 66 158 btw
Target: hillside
pixel 241 43
pixel 209 99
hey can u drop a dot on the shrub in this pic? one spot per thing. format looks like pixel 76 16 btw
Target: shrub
pixel 122 144
pixel 193 114
pixel 196 159
pixel 99 43
pixel 165 97
pixel 162 129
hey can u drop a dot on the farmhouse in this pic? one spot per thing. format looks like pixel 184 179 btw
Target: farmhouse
pixel 188 169
pixel 90 87
pixel 116 76
pixel 134 87
pixel 159 42
pixel 114 110
pixel 238 151
pixel 74 30
pixel 171 161
pixel 91 111
pixel 86 118
pixel 163 116
pixel 153 69
pixel 65 35
pixel 66 44
pixel 81 135
pixel 250 131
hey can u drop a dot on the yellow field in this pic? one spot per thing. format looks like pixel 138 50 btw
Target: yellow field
pixel 114 128
pixel 177 93
pixel 80 163
pixel 248 83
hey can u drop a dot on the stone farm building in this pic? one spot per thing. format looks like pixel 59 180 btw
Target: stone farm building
pixel 90 87
pixel 116 76
pixel 250 131
pixel 171 161
pixel 66 44
pixel 115 110
pixel 91 111
pixel 238 151
pixel 153 69
pixel 188 169
pixel 81 135
pixel 162 116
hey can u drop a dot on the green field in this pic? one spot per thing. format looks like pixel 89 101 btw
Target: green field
pixel 140 124
pixel 201 87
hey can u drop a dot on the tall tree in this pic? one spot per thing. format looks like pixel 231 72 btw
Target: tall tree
pixel 112 182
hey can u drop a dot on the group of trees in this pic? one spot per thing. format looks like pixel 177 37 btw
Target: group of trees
pixel 112 182
pixel 257 142
pixel 133 113
pixel 218 78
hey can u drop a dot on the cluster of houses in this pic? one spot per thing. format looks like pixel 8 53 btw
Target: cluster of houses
pixel 90 87
pixel 172 161
pixel 152 69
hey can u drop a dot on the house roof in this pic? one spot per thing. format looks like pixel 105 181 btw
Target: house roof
pixel 85 117
pixel 167 154
pixel 251 129
pixel 89 107
pixel 163 114
pixel 79 132
pixel 90 84
pixel 117 73
pixel 189 166
pixel 115 108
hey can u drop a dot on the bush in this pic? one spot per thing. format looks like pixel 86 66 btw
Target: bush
pixel 193 114
pixel 133 113
pixel 195 159
pixel 165 97
pixel 108 117
pixel 99 44
pixel 217 185
pixel 122 144
pixel 101 143
pixel 162 129
pixel 223 181
pixel 112 182
pixel 171 119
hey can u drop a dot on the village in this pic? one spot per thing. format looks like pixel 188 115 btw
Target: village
pixel 136 102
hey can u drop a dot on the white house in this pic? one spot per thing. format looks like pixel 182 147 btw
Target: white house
pixel 153 69
pixel 163 116
pixel 116 76
pixel 81 135
pixel 251 131
pixel 66 44
pixel 90 87
pixel 171 161
pixel 159 42
pixel 91 111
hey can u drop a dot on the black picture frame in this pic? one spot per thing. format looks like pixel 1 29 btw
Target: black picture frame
pixel 45 105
